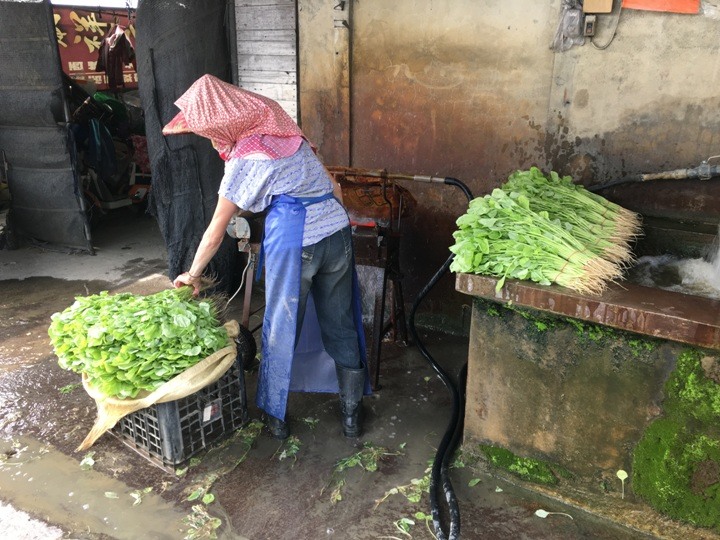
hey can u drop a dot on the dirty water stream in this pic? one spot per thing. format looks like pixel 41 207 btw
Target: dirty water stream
pixel 694 276
pixel 34 475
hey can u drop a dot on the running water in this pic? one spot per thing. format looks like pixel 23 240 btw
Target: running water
pixel 698 277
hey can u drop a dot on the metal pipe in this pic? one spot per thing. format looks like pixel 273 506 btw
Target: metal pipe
pixel 704 171
pixel 382 173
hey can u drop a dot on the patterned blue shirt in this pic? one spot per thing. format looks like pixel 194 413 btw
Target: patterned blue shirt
pixel 252 183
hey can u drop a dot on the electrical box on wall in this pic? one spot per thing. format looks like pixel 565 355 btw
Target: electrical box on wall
pixel 598 6
pixel 589 25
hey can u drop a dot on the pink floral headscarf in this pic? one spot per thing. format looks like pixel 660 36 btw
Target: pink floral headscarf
pixel 226 114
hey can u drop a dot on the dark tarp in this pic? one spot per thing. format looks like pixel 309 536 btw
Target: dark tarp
pixel 177 42
pixel 46 204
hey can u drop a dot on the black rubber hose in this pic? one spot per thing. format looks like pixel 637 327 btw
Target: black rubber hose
pixel 600 187
pixel 440 469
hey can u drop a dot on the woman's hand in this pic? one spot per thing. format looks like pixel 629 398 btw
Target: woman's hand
pixel 185 279
pixel 211 240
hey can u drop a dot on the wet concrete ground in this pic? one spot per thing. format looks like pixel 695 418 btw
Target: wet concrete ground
pixel 260 493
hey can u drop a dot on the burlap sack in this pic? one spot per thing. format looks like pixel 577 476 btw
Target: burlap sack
pixel 205 372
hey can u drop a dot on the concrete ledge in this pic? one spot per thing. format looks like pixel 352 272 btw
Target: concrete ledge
pixel 652 312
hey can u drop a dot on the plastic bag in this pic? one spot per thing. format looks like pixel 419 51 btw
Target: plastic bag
pixel 570 28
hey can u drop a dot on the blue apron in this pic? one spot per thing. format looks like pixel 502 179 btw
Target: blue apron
pixel 282 369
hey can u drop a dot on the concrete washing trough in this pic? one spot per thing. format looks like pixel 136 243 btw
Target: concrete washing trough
pixel 587 386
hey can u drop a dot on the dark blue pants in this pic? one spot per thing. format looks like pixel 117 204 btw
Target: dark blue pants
pixel 327 271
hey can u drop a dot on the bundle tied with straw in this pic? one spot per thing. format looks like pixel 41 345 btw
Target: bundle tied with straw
pixel 547 230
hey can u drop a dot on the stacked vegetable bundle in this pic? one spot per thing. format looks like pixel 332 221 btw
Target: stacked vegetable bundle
pixel 125 343
pixel 548 230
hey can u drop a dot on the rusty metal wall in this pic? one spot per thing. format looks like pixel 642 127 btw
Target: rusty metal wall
pixel 470 89
pixel 324 36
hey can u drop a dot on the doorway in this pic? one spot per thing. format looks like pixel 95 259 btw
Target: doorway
pixel 99 65
pixel 72 139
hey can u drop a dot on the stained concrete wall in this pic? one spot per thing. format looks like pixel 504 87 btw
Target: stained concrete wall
pixel 558 395
pixel 470 89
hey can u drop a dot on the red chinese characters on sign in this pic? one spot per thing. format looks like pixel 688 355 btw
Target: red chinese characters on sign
pixel 673 6
pixel 80 34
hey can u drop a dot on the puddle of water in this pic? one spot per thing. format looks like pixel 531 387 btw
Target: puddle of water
pixel 36 478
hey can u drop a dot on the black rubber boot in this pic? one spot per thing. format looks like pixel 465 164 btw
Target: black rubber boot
pixel 278 428
pixel 352 384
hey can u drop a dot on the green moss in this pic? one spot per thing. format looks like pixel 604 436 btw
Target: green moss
pixel 676 471
pixel 676 465
pixel 593 332
pixel 596 333
pixel 562 472
pixel 528 469
pixel 639 345
pixel 538 321
pixel 690 392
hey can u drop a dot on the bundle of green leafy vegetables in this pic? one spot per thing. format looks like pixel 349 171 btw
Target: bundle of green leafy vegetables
pixel 125 343
pixel 547 230
pixel 604 227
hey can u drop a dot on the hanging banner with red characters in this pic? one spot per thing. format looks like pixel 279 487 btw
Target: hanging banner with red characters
pixel 673 6
pixel 97 46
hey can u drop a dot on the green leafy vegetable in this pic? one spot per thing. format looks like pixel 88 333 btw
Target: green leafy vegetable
pixel 604 227
pixel 126 343
pixel 547 230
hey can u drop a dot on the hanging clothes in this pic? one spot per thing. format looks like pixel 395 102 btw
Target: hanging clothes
pixel 116 51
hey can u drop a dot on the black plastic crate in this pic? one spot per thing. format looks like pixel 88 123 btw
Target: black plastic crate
pixel 168 434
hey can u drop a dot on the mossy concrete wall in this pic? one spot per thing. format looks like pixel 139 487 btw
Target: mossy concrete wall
pixel 582 402
pixel 580 396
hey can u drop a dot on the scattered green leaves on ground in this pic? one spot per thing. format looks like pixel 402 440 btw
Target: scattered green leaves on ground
pixel 403 525
pixel 202 526
pixel 311 422
pixel 412 491
pixel 207 498
pixel 138 495
pixel 125 343
pixel 289 448
pixel 88 461
pixel 622 475
pixel 203 487
pixel 544 513
pixel 368 459
pixel 67 389
pixel 247 435
pixel 427 518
